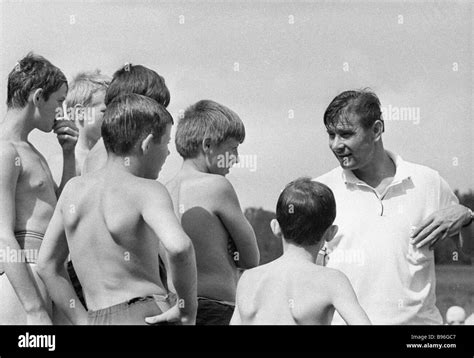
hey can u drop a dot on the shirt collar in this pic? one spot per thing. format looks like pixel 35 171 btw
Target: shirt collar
pixel 401 172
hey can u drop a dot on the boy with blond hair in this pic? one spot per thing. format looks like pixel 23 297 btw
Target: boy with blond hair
pixel 208 208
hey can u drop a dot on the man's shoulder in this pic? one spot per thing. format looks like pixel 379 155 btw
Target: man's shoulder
pixel 421 172
pixel 331 177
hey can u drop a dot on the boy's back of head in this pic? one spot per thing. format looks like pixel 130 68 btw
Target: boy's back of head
pixel 83 87
pixel 305 210
pixel 129 119
pixel 140 80
pixel 31 73
pixel 206 119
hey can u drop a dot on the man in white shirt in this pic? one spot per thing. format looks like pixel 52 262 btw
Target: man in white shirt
pixel 390 213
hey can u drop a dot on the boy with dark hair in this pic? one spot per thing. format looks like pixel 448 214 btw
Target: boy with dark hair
pixel 292 289
pixel 208 208
pixel 36 90
pixel 128 79
pixel 113 222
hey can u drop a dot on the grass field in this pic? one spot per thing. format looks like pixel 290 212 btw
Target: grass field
pixel 455 287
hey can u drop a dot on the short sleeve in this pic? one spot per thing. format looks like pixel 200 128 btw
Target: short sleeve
pixel 446 195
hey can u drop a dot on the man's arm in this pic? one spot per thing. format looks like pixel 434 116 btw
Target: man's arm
pixel 450 220
pixel 229 212
pixel 51 268
pixel 17 272
pixel 67 134
pixel 345 301
pixel 159 214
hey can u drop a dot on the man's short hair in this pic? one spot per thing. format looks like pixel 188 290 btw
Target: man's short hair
pixel 207 119
pixel 140 80
pixel 129 119
pixel 363 103
pixel 83 87
pixel 305 210
pixel 29 74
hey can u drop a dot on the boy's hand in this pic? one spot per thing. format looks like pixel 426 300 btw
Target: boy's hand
pixel 67 134
pixel 173 315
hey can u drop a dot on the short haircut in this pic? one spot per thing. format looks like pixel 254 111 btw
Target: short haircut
pixel 140 80
pixel 363 103
pixel 206 119
pixel 29 74
pixel 305 210
pixel 129 119
pixel 84 86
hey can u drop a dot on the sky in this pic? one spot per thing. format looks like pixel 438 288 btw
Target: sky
pixel 278 65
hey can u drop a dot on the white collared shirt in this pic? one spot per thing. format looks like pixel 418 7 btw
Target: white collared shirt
pixel 394 281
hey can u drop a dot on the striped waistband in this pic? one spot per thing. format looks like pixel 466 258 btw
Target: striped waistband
pixel 30 243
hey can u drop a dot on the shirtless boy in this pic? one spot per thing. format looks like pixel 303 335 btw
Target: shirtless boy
pixel 112 221
pixel 208 208
pixel 85 106
pixel 293 289
pixel 36 90
pixel 128 79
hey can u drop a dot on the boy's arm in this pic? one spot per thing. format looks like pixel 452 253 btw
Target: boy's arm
pixel 53 254
pixel 345 301
pixel 17 272
pixel 241 232
pixel 159 214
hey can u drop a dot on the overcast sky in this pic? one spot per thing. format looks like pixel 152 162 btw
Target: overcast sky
pixel 278 65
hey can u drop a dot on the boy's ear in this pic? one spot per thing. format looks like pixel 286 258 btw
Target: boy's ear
pixel 38 97
pixel 330 233
pixel 276 229
pixel 206 145
pixel 146 143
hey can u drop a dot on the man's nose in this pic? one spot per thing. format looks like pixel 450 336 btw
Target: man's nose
pixel 336 144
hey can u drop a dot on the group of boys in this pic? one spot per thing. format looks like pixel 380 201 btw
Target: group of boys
pixel 111 244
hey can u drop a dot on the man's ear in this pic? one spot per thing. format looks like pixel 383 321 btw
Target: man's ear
pixel 146 143
pixel 206 145
pixel 378 128
pixel 330 233
pixel 38 97
pixel 276 229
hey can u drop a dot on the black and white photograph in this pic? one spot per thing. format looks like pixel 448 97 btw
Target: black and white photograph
pixel 237 163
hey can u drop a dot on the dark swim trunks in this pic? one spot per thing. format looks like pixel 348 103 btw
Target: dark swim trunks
pixel 75 283
pixel 133 312
pixel 213 313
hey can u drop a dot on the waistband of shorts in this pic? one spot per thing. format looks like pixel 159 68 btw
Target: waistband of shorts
pixel 169 298
pixel 227 303
pixel 30 243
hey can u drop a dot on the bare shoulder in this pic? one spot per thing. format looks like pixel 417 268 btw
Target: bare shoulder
pixel 218 185
pixel 7 150
pixel 151 189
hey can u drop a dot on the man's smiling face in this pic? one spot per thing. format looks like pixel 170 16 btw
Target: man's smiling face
pixel 352 144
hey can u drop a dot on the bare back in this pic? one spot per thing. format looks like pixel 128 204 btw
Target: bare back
pixel 195 206
pixel 285 292
pixel 115 253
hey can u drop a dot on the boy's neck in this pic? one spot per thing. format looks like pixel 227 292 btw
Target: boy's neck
pixel 126 164
pixel 17 124
pixel 195 164
pixel 302 253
